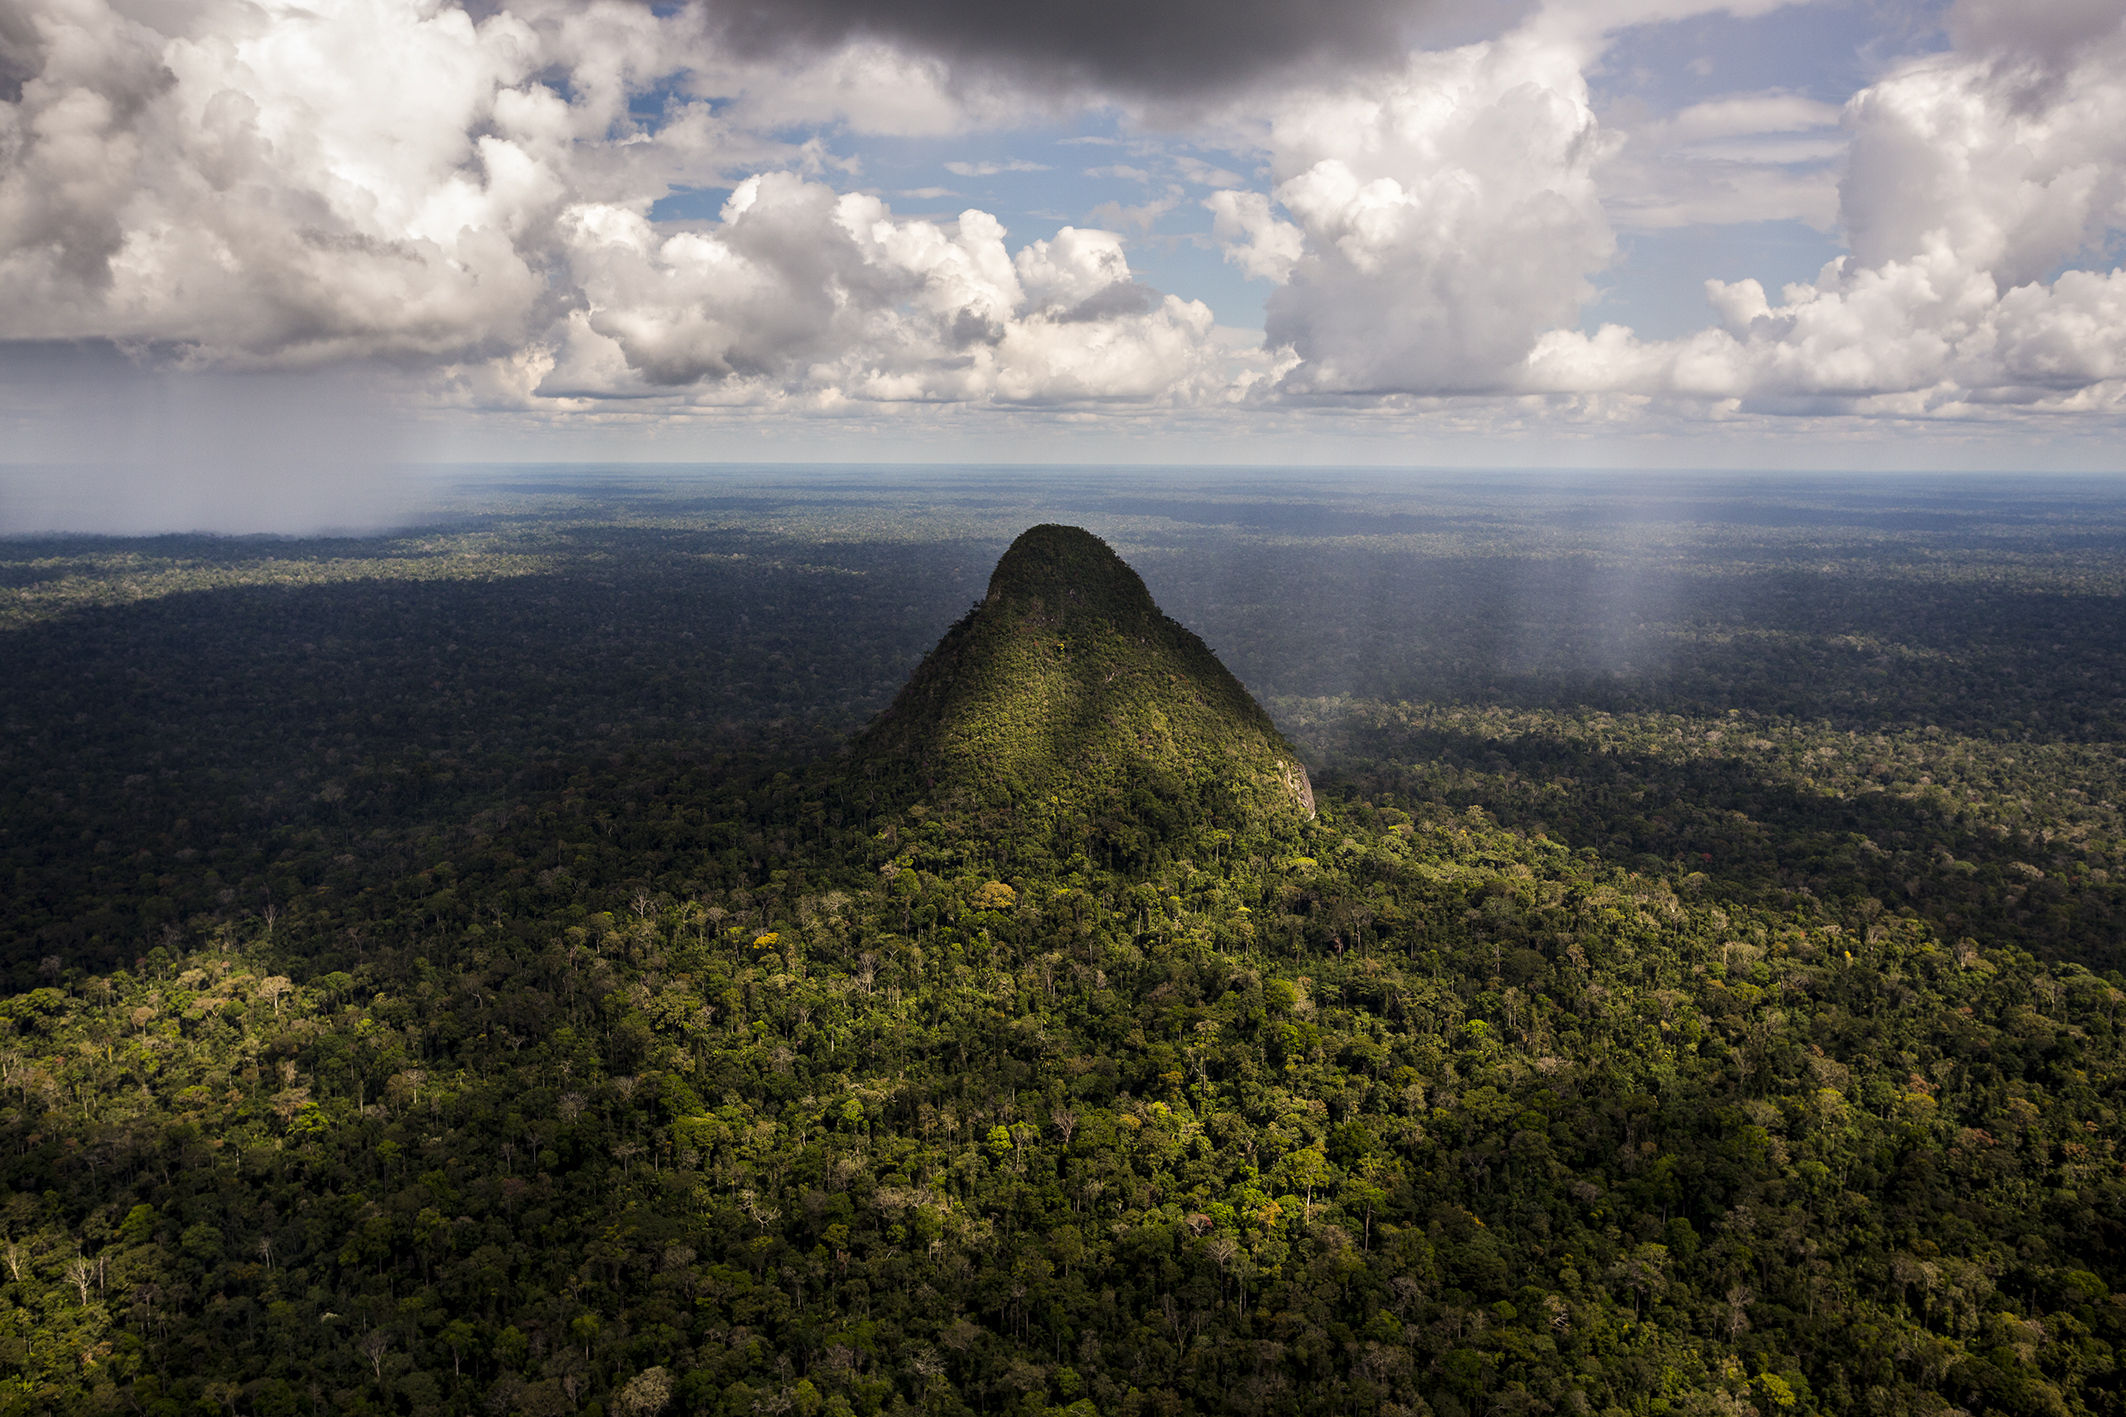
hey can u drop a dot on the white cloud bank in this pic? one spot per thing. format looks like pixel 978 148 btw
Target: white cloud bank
pixel 1445 216
pixel 281 185
pixel 272 184
pixel 1977 179
pixel 799 286
pixel 278 184
pixel 1446 223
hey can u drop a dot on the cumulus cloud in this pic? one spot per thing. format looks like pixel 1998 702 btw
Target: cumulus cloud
pixel 801 287
pixel 1254 238
pixel 1445 216
pixel 1434 230
pixel 238 190
pixel 1441 220
pixel 1976 178
pixel 868 85
pixel 271 184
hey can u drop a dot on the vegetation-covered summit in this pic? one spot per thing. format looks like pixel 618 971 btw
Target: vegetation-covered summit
pixel 1068 704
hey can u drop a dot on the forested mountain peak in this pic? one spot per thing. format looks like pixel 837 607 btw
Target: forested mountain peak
pixel 1066 699
pixel 1067 572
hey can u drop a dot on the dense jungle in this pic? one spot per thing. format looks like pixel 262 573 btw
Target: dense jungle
pixel 463 971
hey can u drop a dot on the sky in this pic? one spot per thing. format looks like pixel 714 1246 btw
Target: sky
pixel 270 240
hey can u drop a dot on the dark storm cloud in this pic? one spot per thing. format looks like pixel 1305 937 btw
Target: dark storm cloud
pixel 1156 46
pixel 20 52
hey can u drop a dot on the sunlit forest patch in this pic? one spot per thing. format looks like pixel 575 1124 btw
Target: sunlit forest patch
pixel 40 588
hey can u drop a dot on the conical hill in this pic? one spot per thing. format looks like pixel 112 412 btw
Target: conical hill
pixel 1066 698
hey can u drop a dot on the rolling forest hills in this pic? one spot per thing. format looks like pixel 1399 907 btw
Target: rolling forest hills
pixel 462 973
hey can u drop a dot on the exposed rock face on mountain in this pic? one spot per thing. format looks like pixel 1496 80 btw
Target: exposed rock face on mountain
pixel 1065 696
